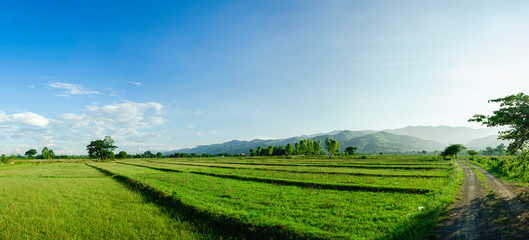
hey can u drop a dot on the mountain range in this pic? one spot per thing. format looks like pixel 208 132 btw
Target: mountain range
pixel 402 140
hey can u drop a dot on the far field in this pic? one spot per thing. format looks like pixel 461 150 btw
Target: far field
pixel 227 198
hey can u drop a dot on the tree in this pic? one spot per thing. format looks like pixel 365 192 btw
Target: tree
pixel 350 150
pixel 121 155
pixel 259 150
pixel 472 153
pixel 317 147
pixel 159 155
pixel 453 150
pixel 148 154
pixel 101 149
pixel 289 149
pixel 332 146
pixel 269 150
pixel 335 147
pixel 514 114
pixel 500 148
pixel 328 145
pixel 30 153
pixel 488 151
pixel 47 153
pixel 252 152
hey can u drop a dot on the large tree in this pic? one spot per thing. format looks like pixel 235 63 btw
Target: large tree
pixel 288 149
pixel 30 153
pixel 514 114
pixel 101 149
pixel 350 151
pixel 47 153
pixel 453 150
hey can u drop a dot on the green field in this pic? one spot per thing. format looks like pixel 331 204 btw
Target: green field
pixel 227 198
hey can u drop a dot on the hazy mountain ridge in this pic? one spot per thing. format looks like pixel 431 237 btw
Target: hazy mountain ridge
pixel 408 139
pixel 391 143
pixel 489 141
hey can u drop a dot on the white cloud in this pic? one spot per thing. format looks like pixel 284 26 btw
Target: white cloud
pixel 31 86
pixel 190 125
pixel 70 88
pixel 128 122
pixel 198 112
pixel 25 118
pixel 135 83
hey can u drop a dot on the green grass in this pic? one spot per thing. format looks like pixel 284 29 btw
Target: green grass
pixel 299 211
pixel 344 170
pixel 374 181
pixel 74 201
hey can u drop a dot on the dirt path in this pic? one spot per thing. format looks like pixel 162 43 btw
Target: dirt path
pixel 514 219
pixel 479 213
pixel 468 217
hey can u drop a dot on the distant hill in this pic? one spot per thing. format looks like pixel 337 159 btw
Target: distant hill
pixel 390 143
pixel 236 146
pixel 408 139
pixel 445 134
pixel 482 143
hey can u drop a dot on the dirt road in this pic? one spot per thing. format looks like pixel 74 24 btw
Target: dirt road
pixel 479 213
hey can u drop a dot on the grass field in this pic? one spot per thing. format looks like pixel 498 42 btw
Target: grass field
pixel 74 201
pixel 227 198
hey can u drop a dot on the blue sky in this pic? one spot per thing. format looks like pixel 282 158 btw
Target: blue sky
pixel 164 75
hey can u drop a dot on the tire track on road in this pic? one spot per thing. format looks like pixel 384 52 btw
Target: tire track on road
pixel 516 222
pixel 468 217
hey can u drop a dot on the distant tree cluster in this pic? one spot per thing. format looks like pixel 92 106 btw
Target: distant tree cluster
pixel 305 147
pixel 498 150
pixel 193 155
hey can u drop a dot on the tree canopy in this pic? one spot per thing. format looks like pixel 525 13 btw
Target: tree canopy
pixel 453 150
pixel 31 152
pixel 101 149
pixel 514 114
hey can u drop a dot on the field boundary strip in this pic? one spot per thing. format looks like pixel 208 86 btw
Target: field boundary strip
pixel 343 166
pixel 298 183
pixel 308 172
pixel 222 222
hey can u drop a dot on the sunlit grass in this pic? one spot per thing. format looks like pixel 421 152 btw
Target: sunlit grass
pixel 74 201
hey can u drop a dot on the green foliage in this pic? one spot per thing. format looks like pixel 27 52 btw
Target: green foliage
pixel 4 158
pixel 101 149
pixel 453 150
pixel 332 146
pixel 350 151
pixel 30 153
pixel 289 149
pixel 121 155
pixel 472 153
pixel 509 168
pixel 47 153
pixel 513 113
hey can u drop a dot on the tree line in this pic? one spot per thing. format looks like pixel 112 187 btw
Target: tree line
pixel 305 147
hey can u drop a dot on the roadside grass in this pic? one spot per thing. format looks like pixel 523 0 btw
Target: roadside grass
pixel 74 201
pixel 298 212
